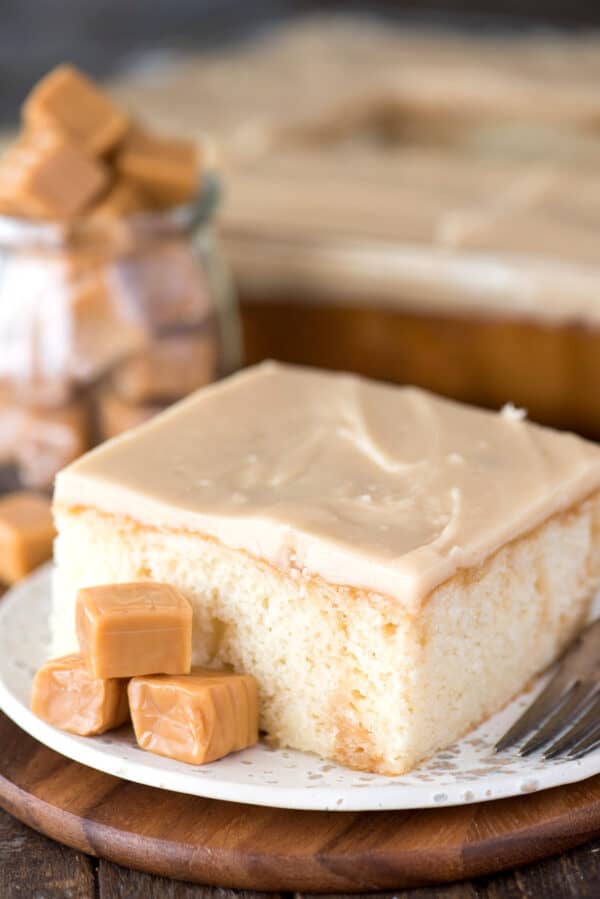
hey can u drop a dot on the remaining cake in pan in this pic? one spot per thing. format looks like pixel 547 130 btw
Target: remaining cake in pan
pixel 392 567
pixel 417 205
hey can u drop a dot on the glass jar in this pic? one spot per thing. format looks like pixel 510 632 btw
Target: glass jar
pixel 103 323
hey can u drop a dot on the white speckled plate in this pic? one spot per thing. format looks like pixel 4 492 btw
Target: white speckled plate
pixel 468 772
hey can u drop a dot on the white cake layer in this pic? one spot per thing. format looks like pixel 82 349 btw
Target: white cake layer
pixel 344 672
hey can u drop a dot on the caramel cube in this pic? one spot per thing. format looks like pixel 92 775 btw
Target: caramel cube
pixel 50 439
pixel 103 329
pixel 14 160
pixel 166 280
pixel 166 169
pixel 8 206
pixel 65 695
pixel 26 534
pixel 11 426
pixel 68 103
pixel 44 177
pixel 123 199
pixel 116 415
pixel 130 629
pixel 169 369
pixel 195 719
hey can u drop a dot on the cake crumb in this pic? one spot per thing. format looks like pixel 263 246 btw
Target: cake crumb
pixel 513 413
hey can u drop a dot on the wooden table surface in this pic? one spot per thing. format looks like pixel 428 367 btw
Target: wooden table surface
pixel 33 867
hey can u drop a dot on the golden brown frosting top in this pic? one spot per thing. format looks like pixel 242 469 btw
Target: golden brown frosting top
pixel 385 488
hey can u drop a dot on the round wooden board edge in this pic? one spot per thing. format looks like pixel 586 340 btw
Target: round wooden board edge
pixel 372 864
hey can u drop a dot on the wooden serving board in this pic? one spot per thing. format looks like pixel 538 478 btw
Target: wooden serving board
pixel 251 847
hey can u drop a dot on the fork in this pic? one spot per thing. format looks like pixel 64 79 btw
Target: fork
pixel 564 720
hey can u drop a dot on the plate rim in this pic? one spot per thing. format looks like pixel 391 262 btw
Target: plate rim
pixel 367 797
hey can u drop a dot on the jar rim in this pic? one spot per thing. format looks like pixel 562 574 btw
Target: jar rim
pixel 184 218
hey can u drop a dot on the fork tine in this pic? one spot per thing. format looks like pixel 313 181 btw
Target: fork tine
pixel 549 700
pixel 586 746
pixel 577 698
pixel 580 729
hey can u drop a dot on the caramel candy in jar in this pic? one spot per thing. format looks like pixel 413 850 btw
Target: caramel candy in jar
pixel 94 315
pixel 67 103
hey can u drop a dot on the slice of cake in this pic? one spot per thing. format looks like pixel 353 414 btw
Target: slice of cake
pixel 390 566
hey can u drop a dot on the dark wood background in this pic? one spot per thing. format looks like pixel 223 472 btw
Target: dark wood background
pixel 33 867
pixel 107 35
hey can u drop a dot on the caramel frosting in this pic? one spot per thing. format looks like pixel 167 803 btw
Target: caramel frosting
pixel 415 277
pixel 388 489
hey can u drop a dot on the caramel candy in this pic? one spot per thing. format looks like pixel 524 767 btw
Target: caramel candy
pixel 41 390
pixel 104 328
pixel 130 629
pixel 168 283
pixel 123 199
pixel 43 177
pixel 8 207
pixel 165 168
pixel 12 162
pixel 65 695
pixel 195 719
pixel 171 368
pixel 11 427
pixel 116 415
pixel 68 103
pixel 26 534
pixel 50 439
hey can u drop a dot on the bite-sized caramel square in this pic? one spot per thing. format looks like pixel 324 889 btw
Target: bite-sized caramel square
pixel 167 169
pixel 50 439
pixel 11 426
pixel 166 280
pixel 104 328
pixel 137 628
pixel 44 177
pixel 41 390
pixel 123 199
pixel 169 369
pixel 65 695
pixel 67 102
pixel 26 534
pixel 12 162
pixel 8 207
pixel 195 719
pixel 116 415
